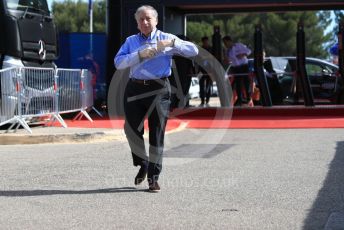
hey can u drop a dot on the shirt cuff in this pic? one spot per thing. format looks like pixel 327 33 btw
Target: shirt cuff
pixel 136 58
pixel 177 44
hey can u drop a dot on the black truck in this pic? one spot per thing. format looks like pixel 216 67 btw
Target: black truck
pixel 28 35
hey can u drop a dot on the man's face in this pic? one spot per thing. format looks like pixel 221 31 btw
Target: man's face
pixel 146 22
pixel 205 42
pixel 228 43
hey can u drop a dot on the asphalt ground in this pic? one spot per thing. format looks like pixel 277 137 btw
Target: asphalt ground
pixel 212 179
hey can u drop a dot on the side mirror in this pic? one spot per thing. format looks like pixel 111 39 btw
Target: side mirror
pixel 325 71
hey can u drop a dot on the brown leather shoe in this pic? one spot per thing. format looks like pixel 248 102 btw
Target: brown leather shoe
pixel 141 175
pixel 154 187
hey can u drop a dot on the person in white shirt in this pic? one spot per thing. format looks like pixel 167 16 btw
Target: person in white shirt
pixel 237 54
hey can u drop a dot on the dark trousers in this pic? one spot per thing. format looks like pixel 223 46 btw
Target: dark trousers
pixel 205 88
pixel 153 102
pixel 241 81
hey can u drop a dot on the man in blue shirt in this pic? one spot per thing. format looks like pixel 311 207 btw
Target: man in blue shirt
pixel 148 54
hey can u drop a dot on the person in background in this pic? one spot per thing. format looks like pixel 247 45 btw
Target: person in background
pixel 148 55
pixel 334 53
pixel 237 54
pixel 205 81
pixel 272 80
pixel 181 79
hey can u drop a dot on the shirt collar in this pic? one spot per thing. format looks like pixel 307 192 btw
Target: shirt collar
pixel 151 36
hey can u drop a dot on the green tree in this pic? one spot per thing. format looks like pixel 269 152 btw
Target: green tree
pixel 196 30
pixel 73 16
pixel 99 14
pixel 339 18
pixel 279 30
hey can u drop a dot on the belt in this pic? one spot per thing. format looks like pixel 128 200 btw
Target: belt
pixel 150 81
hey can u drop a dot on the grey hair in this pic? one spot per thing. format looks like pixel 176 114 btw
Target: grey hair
pixel 143 8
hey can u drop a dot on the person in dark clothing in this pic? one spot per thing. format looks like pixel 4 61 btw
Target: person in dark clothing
pixel 205 81
pixel 274 86
pixel 182 73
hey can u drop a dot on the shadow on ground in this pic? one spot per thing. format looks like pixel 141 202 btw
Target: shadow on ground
pixel 328 208
pixel 19 193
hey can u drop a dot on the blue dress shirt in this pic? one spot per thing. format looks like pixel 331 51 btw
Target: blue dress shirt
pixel 160 65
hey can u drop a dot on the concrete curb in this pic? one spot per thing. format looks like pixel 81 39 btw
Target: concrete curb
pixel 61 135
pixel 51 135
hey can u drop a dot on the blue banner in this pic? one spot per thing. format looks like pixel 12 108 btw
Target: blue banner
pixel 75 53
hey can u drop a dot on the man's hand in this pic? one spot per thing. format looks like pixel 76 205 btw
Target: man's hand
pixel 147 53
pixel 161 45
pixel 241 56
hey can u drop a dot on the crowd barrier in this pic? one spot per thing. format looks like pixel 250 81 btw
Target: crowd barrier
pixel 28 93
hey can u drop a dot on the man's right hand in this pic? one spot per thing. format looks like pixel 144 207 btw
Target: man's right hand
pixel 147 53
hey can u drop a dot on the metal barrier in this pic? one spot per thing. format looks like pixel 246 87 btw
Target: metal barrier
pixel 37 89
pixel 8 94
pixel 29 92
pixel 75 92
pixel 11 109
pixel 68 90
pixel 86 95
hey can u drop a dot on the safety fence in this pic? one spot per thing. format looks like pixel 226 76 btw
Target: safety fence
pixel 28 93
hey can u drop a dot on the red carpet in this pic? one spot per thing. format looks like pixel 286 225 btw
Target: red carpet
pixel 240 118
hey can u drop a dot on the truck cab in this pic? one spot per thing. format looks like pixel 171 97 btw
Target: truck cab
pixel 28 35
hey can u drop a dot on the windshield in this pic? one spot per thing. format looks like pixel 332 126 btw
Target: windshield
pixel 28 5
